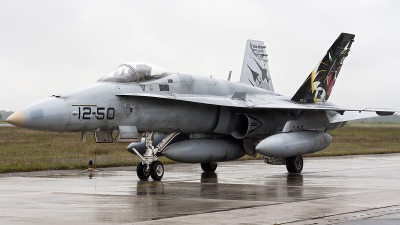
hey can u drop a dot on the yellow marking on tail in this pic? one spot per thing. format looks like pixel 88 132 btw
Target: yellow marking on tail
pixel 312 86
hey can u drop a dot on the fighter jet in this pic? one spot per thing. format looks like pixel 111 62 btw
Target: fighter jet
pixel 199 119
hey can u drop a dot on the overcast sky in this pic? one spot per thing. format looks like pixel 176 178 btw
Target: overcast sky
pixel 48 47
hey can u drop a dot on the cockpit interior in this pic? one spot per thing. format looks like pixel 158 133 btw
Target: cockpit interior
pixel 135 72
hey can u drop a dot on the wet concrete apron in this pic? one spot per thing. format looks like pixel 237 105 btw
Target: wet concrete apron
pixel 332 190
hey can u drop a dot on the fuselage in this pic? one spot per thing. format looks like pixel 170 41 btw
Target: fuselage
pixel 99 106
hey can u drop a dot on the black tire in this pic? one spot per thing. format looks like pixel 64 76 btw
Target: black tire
pixel 294 164
pixel 141 172
pixel 157 170
pixel 209 167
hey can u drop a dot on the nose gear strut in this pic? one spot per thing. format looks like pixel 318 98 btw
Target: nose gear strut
pixel 149 165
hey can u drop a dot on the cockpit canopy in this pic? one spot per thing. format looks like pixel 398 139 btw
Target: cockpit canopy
pixel 135 72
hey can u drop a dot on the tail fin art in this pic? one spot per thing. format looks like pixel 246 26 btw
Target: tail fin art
pixel 255 69
pixel 318 85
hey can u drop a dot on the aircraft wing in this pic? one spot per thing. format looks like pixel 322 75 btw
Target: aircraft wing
pixel 203 99
pixel 262 103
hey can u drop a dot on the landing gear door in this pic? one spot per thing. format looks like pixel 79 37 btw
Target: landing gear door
pixel 128 134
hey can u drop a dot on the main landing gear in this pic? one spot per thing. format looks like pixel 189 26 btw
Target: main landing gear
pixel 149 165
pixel 294 164
pixel 209 167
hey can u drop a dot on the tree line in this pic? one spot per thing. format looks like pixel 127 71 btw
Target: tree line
pixel 5 114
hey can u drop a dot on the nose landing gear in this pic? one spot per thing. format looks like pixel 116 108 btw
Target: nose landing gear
pixel 149 165
pixel 156 170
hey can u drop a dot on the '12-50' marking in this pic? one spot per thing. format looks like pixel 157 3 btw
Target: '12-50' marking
pixel 86 112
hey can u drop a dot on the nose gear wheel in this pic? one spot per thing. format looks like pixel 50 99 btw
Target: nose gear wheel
pixel 156 170
pixel 142 172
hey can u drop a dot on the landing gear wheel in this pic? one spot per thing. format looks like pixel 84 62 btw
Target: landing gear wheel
pixel 209 167
pixel 142 172
pixel 156 170
pixel 294 164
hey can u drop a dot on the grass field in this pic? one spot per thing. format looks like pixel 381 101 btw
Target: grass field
pixel 357 139
pixel 26 150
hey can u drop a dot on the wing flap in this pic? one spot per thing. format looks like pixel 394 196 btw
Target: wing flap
pixel 293 106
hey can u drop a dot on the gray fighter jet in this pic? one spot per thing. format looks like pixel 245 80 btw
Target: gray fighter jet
pixel 196 119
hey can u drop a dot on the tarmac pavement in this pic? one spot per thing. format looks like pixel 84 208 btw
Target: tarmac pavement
pixel 353 190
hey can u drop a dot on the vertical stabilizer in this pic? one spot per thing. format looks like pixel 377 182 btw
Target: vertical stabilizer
pixel 255 69
pixel 318 85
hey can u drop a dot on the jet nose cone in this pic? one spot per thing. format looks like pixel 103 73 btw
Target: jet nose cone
pixel 17 119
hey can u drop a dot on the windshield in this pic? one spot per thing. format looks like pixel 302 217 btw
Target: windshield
pixel 135 72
